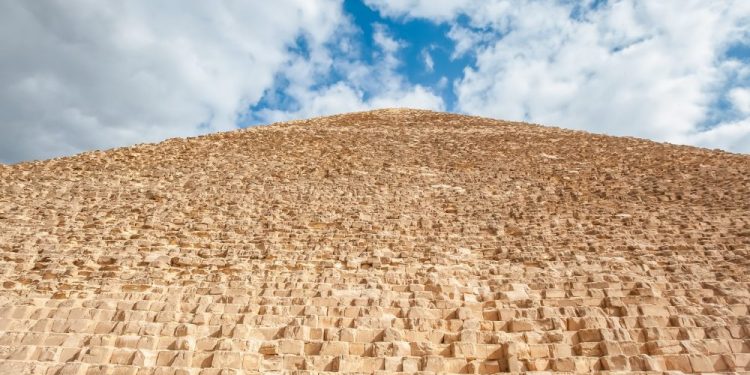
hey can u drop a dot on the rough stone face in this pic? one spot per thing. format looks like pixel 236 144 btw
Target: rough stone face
pixel 383 241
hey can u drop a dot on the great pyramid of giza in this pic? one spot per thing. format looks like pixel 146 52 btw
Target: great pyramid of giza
pixel 389 241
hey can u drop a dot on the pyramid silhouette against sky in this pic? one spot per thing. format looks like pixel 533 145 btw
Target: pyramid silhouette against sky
pixel 390 241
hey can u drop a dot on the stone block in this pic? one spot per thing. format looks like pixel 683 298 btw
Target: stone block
pixel 740 361
pixel 538 364
pixel 226 359
pixel 411 364
pixel 96 355
pixel 537 351
pixel 122 356
pixel 677 363
pixel 464 350
pixel 521 325
pixel 334 348
pixel 251 361
pixel 433 363
pixel 701 363
pixel 294 347
pixel 615 363
pixel 392 334
pixel 269 348
pixel 561 350
pixel 563 364
pixel 392 364
pixel 348 364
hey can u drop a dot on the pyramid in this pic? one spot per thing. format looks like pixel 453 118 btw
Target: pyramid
pixel 389 241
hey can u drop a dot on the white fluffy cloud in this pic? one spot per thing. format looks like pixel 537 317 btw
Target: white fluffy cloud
pixel 740 98
pixel 78 75
pixel 362 86
pixel 651 69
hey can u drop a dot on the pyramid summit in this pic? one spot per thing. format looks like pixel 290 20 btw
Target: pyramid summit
pixel 389 241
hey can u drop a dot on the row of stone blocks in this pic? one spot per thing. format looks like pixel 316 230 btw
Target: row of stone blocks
pixel 203 353
pixel 235 362
pixel 20 346
pixel 161 312
pixel 157 333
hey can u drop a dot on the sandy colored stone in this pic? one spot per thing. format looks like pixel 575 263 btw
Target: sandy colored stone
pixel 390 241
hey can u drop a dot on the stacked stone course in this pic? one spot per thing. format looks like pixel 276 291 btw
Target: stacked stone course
pixel 390 241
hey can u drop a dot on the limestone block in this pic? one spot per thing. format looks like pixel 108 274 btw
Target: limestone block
pixel 251 361
pixel 563 364
pixel 538 364
pixel 392 364
pixel 293 362
pixel 122 356
pixel 421 313
pixel 561 350
pixel 422 349
pixel 312 348
pixel 464 350
pixel 399 348
pixel 521 325
pixel 69 354
pixel 346 363
pixel 518 350
pixel 411 364
pixel 392 334
pixel 73 369
pixel 144 358
pixel 663 347
pixel 185 330
pixel 515 365
pixel 269 348
pixel 370 365
pixel 538 351
pixel 465 313
pixel 589 335
pixel 433 363
pixel 700 363
pixel 741 361
pixel 514 295
pixel 275 363
pixel 294 347
pixel 615 363
pixel 644 362
pixel 357 349
pixel 678 363
pixel 348 335
pixel 227 359
pixel 334 348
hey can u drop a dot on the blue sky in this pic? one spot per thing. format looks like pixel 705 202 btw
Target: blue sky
pixel 95 75
pixel 420 37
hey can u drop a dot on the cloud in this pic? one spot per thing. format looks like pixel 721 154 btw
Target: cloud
pixel 383 40
pixel 439 10
pixel 467 39
pixel 79 75
pixel 733 136
pixel 342 97
pixel 429 64
pixel 641 68
pixel 740 98
pixel 360 85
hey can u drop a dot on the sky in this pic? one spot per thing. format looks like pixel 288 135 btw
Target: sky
pixel 80 75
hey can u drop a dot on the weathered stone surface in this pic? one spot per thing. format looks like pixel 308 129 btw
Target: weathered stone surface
pixel 377 242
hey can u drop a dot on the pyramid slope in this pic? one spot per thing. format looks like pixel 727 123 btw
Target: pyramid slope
pixel 390 240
